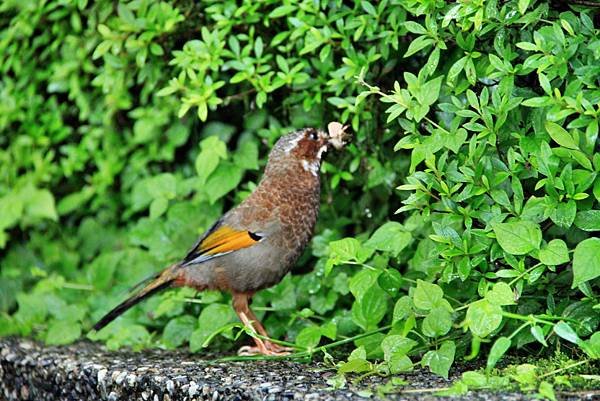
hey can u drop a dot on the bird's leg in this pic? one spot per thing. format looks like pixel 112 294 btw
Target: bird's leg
pixel 271 346
pixel 248 318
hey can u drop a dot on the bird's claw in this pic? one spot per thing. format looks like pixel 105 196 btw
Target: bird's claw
pixel 265 348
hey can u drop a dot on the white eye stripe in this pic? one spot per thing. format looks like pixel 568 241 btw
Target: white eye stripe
pixel 292 144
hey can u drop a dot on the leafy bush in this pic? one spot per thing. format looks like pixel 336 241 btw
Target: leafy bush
pixel 129 127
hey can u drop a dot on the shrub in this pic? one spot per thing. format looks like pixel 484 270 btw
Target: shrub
pixel 461 218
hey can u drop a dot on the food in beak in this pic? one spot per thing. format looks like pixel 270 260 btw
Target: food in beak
pixel 337 134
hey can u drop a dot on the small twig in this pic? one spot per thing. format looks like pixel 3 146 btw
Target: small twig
pixel 423 390
pixel 75 286
pixel 571 366
pixel 237 96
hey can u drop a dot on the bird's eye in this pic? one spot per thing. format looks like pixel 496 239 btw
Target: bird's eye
pixel 313 135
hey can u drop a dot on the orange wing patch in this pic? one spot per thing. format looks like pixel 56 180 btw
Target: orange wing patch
pixel 221 241
pixel 226 239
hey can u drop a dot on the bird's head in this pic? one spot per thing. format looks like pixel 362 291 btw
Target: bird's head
pixel 307 146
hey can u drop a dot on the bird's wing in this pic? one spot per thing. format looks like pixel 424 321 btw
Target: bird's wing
pixel 220 240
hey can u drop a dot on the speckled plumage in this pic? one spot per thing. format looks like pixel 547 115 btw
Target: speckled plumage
pixel 255 244
pixel 283 207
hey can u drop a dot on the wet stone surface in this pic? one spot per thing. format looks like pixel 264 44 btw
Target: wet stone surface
pixel 31 371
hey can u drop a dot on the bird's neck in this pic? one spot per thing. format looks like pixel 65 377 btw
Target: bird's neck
pixel 296 168
pixel 299 175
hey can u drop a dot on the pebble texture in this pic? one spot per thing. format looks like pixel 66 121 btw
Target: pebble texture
pixel 31 371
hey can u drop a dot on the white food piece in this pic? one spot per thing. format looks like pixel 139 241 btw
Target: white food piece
pixel 337 134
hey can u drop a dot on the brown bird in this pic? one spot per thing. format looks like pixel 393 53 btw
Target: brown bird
pixel 255 244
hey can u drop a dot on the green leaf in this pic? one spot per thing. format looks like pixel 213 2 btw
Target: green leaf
pixel 501 345
pixel 427 295
pixel 100 271
pixel 246 156
pixel 523 4
pixel 417 45
pixel 484 317
pixel 211 319
pixel 527 46
pixel 475 380
pixel 586 263
pixel 158 207
pixel 541 101
pixel 70 202
pixel 538 333
pixel 430 91
pixel 356 366
pixel 396 345
pixel 564 213
pixel 370 309
pixel 560 135
pixel 390 280
pixel 555 253
pixel 162 185
pixel 400 363
pixel 206 162
pixel 588 220
pixel 402 308
pixel 437 323
pixel 456 69
pixel 501 294
pixel 368 7
pixel 415 27
pixel 62 332
pixel 594 345
pixel 349 249
pixel 563 330
pixel 358 353
pixel 282 10
pixel 526 374
pixel 309 337
pixel 518 237
pixel 11 210
pixel 178 330
pixel 440 361
pixel 125 14
pixel 546 391
pixel 391 237
pixel 362 281
pixel 40 204
pixel 226 178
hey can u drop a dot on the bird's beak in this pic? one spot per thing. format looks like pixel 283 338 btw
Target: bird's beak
pixel 338 136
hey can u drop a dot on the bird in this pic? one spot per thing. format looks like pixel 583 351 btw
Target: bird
pixel 253 245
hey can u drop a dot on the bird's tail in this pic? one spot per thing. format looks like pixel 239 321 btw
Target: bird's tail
pixel 159 282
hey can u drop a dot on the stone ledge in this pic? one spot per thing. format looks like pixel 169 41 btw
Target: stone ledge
pixel 31 371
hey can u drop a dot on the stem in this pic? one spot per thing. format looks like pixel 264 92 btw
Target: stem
pixel 521 327
pixel 350 339
pixel 573 365
pixel 191 300
pixel 240 95
pixel 348 262
pixel 465 306
pixel 75 286
pixel 303 354
pixel 529 319
pixel 424 390
pixel 430 121
pixel 520 276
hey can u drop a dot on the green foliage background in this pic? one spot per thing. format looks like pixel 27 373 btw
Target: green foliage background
pixel 129 127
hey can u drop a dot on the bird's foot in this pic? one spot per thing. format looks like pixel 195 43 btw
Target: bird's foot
pixel 265 348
